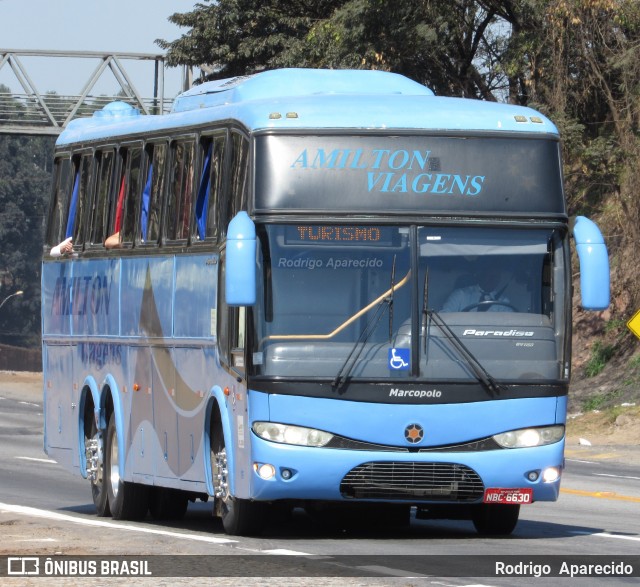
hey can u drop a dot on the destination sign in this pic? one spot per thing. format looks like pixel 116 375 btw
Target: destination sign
pixel 343 235
pixel 409 174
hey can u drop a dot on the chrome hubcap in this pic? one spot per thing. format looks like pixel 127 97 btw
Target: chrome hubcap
pixel 220 473
pixel 94 455
pixel 114 469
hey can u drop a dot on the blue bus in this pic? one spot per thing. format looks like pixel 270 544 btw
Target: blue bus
pixel 278 297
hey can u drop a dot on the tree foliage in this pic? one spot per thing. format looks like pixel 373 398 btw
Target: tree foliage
pixel 25 179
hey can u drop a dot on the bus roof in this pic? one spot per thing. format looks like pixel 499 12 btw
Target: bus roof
pixel 313 99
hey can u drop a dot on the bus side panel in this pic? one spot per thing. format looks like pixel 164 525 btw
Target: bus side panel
pixel 61 419
pixel 95 300
pixel 145 315
pixel 56 299
pixel 147 283
pixel 194 318
pixel 195 297
pixel 193 378
pixel 165 418
pixel 142 447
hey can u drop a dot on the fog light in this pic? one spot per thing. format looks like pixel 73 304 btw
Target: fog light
pixel 286 474
pixel 533 475
pixel 551 474
pixel 265 471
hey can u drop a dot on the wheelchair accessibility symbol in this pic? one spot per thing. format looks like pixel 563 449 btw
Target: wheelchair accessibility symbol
pixel 399 359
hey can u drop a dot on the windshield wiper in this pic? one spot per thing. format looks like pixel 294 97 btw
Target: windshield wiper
pixel 480 372
pixel 425 312
pixel 367 331
pixel 359 345
pixel 393 285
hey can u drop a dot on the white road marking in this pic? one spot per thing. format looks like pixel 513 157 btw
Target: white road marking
pixel 285 551
pixel 36 513
pixel 607 535
pixel 615 476
pixel 29 404
pixel 37 460
pixel 391 572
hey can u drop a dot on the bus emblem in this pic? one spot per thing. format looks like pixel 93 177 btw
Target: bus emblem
pixel 414 433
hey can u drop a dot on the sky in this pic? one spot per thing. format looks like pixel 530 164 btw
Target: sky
pixel 89 25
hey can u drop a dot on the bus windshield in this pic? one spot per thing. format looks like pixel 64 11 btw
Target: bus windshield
pixel 355 300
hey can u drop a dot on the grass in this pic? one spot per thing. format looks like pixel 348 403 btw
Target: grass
pixel 602 422
pixel 601 400
pixel 601 354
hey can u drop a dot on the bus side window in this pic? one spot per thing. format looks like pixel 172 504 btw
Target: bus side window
pixel 180 190
pixel 102 202
pixel 236 199
pixel 132 178
pixel 209 188
pixel 237 321
pixel 60 201
pixel 79 195
pixel 230 327
pixel 151 208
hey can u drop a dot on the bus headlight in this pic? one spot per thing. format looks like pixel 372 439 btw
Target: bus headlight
pixel 528 437
pixel 287 434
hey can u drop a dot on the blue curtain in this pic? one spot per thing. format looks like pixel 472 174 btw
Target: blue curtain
pixel 202 203
pixel 146 196
pixel 72 207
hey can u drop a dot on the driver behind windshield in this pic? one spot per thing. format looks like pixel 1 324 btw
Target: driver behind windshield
pixel 486 292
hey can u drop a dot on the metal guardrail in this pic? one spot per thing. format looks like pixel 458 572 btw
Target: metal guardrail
pixel 32 112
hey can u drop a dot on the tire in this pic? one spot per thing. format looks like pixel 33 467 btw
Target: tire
pixel 98 486
pixel 167 504
pixel 240 517
pixel 127 501
pixel 496 519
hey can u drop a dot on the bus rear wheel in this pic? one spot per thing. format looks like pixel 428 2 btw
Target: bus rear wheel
pixel 127 501
pixel 94 448
pixel 496 519
pixel 240 517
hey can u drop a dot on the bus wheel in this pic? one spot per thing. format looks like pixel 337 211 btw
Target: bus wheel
pixel 239 516
pixel 167 504
pixel 94 452
pixel 127 501
pixel 496 519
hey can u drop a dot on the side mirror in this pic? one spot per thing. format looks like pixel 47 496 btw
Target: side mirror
pixel 594 264
pixel 240 270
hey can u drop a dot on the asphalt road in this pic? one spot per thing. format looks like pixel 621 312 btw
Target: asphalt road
pixel 45 511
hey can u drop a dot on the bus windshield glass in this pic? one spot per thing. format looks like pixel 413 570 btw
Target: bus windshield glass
pixel 330 292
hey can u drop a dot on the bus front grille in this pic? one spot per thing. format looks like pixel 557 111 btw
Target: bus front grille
pixel 413 481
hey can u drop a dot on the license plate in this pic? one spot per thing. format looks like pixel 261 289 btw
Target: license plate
pixel 512 496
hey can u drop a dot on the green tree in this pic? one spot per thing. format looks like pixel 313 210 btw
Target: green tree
pixel 227 38
pixel 25 179
pixel 453 46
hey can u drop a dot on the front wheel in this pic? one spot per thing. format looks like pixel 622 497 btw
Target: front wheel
pixel 496 519
pixel 240 517
pixel 127 501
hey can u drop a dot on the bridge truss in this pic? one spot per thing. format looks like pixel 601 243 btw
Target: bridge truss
pixel 32 112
